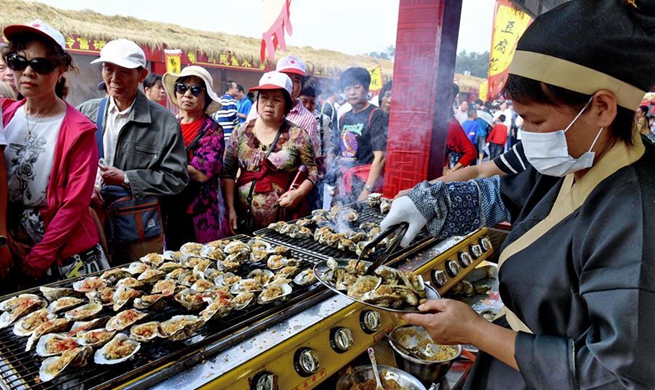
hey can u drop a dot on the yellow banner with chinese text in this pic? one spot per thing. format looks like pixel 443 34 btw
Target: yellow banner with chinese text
pixel 173 60
pixel 510 23
pixel 376 78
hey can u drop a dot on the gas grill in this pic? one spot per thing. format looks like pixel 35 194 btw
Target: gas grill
pixel 261 343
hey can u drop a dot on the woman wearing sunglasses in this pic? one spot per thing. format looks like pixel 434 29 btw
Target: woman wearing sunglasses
pixel 51 160
pixel 268 151
pixel 198 213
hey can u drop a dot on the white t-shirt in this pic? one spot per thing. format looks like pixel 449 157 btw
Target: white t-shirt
pixel 29 162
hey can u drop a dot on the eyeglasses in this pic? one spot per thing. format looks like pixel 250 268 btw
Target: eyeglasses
pixel 196 90
pixel 39 65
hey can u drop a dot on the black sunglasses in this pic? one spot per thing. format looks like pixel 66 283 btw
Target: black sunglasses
pixel 196 90
pixel 39 65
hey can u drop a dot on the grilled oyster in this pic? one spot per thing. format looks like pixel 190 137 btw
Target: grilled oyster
pixel 153 259
pixel 154 302
pixel 213 252
pixel 276 262
pixel 286 273
pixel 385 205
pixel 145 332
pixel 190 299
pixel 246 285
pixel 226 280
pixel 64 303
pixel 50 326
pixel 53 366
pixel 124 319
pixel 54 293
pixel 301 232
pixel 114 275
pixel 136 268
pixel 202 285
pixel 346 244
pixel 274 292
pixel 12 303
pixel 192 248
pixel 55 344
pixel 26 325
pixel 170 266
pixel 216 309
pixel 180 327
pixel 175 274
pixel 263 276
pixel 187 279
pixel 281 250
pixel 259 250
pixel 165 287
pixel 88 284
pixel 84 312
pixel 235 247
pixel 151 276
pixel 211 273
pixel 83 326
pixel 176 256
pixel 104 296
pixel 230 264
pixel 118 350
pixel 130 283
pixel 242 300
pixel 95 337
pixel 364 284
pixel 23 308
pixel 123 297
pixel 305 277
pixel 191 261
pixel 374 199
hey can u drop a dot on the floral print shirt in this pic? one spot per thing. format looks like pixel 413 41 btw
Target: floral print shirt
pixel 244 151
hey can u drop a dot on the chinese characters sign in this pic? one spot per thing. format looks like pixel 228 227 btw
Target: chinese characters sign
pixel 509 24
pixel 376 78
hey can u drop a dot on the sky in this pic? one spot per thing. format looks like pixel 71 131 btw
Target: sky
pixel 326 24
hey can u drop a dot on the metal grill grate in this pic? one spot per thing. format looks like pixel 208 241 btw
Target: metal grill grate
pixel 20 370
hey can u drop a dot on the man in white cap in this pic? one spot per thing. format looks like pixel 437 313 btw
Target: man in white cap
pixel 294 67
pixel 140 142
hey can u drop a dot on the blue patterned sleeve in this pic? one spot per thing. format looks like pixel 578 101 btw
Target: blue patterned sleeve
pixel 458 208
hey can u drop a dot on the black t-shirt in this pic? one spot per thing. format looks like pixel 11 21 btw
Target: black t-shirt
pixel 361 134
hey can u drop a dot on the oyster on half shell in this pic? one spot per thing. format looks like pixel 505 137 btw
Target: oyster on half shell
pixel 124 319
pixel 118 350
pixel 26 325
pixel 55 344
pixel 53 366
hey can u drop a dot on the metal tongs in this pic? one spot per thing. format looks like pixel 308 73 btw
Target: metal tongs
pixel 402 229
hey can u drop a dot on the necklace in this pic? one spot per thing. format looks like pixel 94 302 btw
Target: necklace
pixel 38 119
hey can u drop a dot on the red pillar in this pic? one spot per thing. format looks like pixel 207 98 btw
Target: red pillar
pixel 424 68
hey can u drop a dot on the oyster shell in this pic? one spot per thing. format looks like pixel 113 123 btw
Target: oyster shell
pixel 276 262
pixel 170 266
pixel 89 284
pixel 153 259
pixel 286 272
pixel 190 299
pixel 165 287
pixel 95 337
pixel 54 293
pixel 237 247
pixel 305 277
pixel 217 309
pixel 242 300
pixel 385 205
pixel 114 275
pixel 83 326
pixel 230 264
pixel 211 273
pixel 281 250
pixel 154 302
pixel 12 303
pixel 374 199
pixel 202 266
pixel 55 344
pixel 26 325
pixel 246 285
pixel 213 252
pixel 202 285
pixel 176 256
pixel 363 285
pixel 84 312
pixel 50 326
pixel 53 366
pixel 187 279
pixel 274 292
pixel 24 307
pixel 263 276
pixel 192 248
pixel 151 276
pixel 180 327
pixel 226 280
pixel 104 296
pixel 124 319
pixel 145 332
pixel 136 268
pixel 123 296
pixel 175 274
pixel 130 282
pixel 118 350
pixel 64 303
pixel 256 243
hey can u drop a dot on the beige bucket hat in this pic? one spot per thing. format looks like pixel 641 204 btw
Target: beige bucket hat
pixel 169 79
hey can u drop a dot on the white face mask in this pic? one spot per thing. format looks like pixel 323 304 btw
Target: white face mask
pixel 549 154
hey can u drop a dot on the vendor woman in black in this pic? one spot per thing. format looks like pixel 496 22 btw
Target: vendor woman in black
pixel 577 271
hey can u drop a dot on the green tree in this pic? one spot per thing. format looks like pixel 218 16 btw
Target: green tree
pixel 476 63
pixel 387 54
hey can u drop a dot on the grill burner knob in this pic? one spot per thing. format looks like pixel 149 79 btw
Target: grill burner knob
pixel 452 268
pixel 486 244
pixel 370 321
pixel 439 277
pixel 464 259
pixel 475 250
pixel 306 361
pixel 341 339
pixel 264 381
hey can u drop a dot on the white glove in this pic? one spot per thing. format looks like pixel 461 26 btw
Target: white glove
pixel 404 210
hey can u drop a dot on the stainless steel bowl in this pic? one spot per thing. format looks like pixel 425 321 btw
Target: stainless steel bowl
pixel 427 371
pixel 361 374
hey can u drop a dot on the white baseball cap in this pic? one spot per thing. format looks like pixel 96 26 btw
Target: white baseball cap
pixel 122 52
pixel 274 80
pixel 291 64
pixel 36 26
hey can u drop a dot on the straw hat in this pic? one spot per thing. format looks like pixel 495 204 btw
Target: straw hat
pixel 169 79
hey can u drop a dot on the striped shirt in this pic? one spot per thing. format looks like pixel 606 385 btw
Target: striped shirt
pixel 513 161
pixel 227 115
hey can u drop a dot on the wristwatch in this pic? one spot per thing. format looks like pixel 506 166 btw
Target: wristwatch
pixel 126 182
pixel 3 241
pixel 368 189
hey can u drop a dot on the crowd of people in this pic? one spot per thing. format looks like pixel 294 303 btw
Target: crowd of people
pixel 121 176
